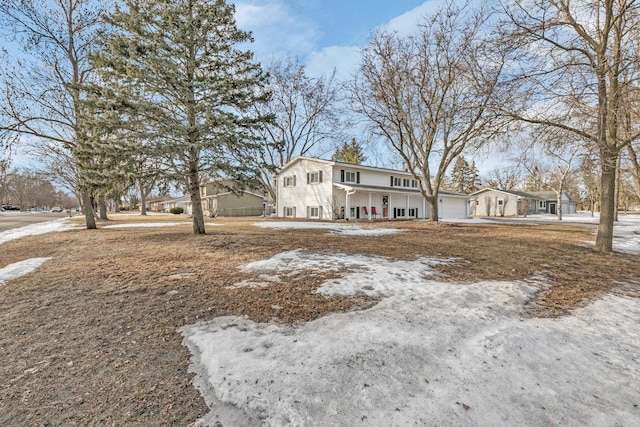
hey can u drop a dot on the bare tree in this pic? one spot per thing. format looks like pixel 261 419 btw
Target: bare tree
pixel 41 92
pixel 429 95
pixel 306 118
pixel 507 178
pixel 573 62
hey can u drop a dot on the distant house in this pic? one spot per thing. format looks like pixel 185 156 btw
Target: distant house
pixel 183 202
pixel 321 189
pixel 219 200
pixel 495 202
pixel 157 204
pixel 550 202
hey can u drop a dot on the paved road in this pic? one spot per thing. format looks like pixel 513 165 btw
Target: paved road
pixel 10 219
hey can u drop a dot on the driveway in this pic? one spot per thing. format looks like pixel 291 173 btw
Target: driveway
pixel 10 219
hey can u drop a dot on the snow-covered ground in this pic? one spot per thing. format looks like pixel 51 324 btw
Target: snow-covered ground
pixel 338 228
pixel 35 229
pixel 430 353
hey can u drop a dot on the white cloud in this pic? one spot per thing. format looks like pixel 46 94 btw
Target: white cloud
pixel 407 23
pixel 277 30
pixel 344 59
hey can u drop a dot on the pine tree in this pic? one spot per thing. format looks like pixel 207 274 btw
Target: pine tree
pixel 473 180
pixel 349 153
pixel 459 175
pixel 175 66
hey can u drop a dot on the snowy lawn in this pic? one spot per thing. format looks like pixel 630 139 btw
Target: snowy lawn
pixel 337 228
pixel 430 353
pixel 20 268
pixel 35 229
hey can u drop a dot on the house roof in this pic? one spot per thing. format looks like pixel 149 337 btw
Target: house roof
pixel 399 190
pixel 552 195
pixel 519 194
pixel 340 164
pixel 213 196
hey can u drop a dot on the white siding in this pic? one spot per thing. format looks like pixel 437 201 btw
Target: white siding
pixel 302 194
pixel 452 207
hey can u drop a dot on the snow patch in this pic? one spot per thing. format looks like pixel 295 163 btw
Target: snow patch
pixel 20 268
pixel 430 353
pixel 36 229
pixel 333 228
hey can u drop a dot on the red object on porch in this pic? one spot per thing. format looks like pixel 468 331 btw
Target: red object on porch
pixel 373 211
pixel 364 209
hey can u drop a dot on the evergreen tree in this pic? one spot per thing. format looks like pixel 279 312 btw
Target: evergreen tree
pixel 175 66
pixel 473 182
pixel 350 153
pixel 459 175
pixel 535 181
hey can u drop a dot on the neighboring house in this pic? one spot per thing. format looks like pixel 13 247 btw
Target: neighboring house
pixel 550 199
pixel 157 204
pixel 494 202
pixel 218 200
pixel 183 202
pixel 322 189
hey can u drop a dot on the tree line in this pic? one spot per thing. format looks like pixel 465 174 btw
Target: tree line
pixel 148 93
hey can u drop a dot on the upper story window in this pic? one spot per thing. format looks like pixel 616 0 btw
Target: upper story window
pixel 500 202
pixel 349 176
pixel 414 183
pixel 405 182
pixel 289 181
pixel 397 182
pixel 314 177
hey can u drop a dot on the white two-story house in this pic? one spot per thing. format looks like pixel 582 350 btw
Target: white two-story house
pixel 323 189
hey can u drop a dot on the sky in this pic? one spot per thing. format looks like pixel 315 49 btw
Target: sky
pixel 323 33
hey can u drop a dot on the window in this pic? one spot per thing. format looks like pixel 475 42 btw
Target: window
pixel 289 212
pixel 543 204
pixel 500 202
pixel 414 183
pixel 413 212
pixel 290 181
pixel 349 176
pixel 314 177
pixel 397 182
pixel 314 211
pixel 405 182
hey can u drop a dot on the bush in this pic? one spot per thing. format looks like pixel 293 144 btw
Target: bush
pixel 176 210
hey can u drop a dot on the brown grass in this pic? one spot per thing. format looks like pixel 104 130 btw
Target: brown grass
pixel 91 337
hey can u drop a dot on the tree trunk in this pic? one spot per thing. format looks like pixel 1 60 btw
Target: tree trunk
pixel 432 201
pixel 604 239
pixel 143 199
pixel 559 204
pixel 196 203
pixel 102 208
pixel 87 208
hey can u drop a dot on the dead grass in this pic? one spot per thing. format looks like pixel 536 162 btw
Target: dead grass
pixel 91 337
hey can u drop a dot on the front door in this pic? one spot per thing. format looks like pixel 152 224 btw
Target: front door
pixel 385 206
pixel 552 208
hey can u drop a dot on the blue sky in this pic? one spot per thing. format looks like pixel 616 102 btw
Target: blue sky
pixel 323 33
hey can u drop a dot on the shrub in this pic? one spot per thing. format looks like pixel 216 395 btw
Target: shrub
pixel 176 210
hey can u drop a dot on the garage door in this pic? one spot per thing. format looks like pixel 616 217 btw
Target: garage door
pixel 453 208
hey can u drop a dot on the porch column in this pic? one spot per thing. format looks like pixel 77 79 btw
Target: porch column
pixel 369 208
pixel 406 208
pixel 347 207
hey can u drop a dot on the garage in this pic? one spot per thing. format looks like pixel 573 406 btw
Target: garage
pixel 452 206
